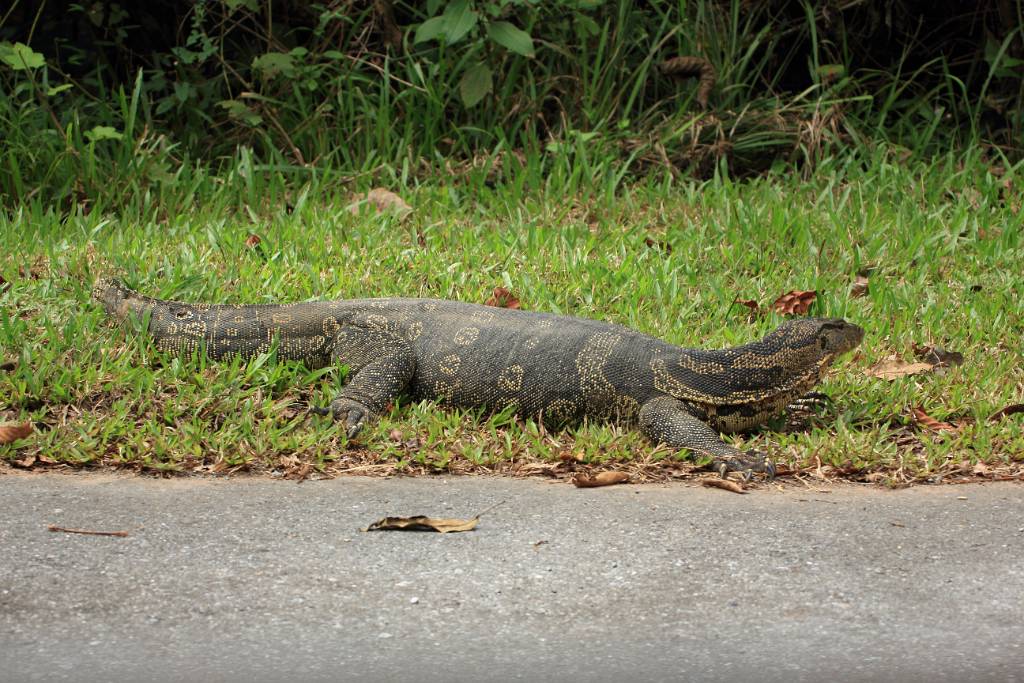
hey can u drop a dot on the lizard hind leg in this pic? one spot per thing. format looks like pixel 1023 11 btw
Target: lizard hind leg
pixel 666 420
pixel 380 363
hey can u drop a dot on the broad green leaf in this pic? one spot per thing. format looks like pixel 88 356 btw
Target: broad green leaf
pixel 239 111
pixel 50 92
pixel 459 19
pixel 102 133
pixel 429 30
pixel 475 83
pixel 511 37
pixel 20 56
pixel 274 63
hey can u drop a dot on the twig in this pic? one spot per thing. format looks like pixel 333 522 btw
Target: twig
pixel 486 510
pixel 87 532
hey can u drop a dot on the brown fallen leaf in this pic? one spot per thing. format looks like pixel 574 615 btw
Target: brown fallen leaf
pixel 930 423
pixel 860 287
pixel 752 306
pixel 12 431
pixel 252 241
pixel 87 532
pixel 658 244
pixel 583 481
pixel 937 356
pixel 980 469
pixel 795 302
pixel 726 484
pixel 503 298
pixel 25 462
pixel 421 523
pixel 894 368
pixel 383 200
pixel 1008 410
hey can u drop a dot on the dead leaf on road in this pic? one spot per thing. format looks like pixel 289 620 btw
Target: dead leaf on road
pixel 795 302
pixel 894 368
pixel 725 484
pixel 503 298
pixel 12 431
pixel 421 523
pixel 1008 410
pixel 582 481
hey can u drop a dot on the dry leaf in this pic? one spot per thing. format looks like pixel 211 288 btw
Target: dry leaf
pixel 938 356
pixel 752 305
pixel 383 200
pixel 583 481
pixel 726 484
pixel 1008 410
pixel 930 423
pixel 795 302
pixel 980 469
pixel 252 241
pixel 503 298
pixel 894 368
pixel 658 244
pixel 12 431
pixel 420 523
pixel 859 287
pixel 25 462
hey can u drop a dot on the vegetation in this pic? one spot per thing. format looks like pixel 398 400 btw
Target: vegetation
pixel 543 151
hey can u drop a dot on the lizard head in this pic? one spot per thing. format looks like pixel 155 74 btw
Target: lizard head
pixel 114 296
pixel 819 340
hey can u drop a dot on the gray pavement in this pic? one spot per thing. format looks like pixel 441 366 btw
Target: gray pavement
pixel 259 580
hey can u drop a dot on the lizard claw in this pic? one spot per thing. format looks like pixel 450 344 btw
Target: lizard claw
pixel 352 413
pixel 746 463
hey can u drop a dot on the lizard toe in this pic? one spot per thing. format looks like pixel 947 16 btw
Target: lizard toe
pixel 352 413
pixel 747 464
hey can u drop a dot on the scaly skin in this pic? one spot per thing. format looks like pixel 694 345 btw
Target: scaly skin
pixel 561 368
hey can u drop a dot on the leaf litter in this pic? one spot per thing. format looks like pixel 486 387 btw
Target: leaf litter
pixel 424 523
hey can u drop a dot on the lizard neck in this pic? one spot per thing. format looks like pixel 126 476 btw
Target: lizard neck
pixel 764 371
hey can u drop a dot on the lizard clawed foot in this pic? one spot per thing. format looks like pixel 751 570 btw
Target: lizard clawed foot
pixel 809 402
pixel 352 413
pixel 747 463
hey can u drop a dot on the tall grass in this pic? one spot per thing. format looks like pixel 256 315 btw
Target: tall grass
pixel 588 105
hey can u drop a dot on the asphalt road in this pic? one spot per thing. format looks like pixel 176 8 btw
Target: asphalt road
pixel 258 580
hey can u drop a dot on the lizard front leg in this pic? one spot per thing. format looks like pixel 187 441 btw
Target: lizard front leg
pixel 666 420
pixel 380 365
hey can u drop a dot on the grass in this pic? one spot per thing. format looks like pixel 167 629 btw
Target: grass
pixel 942 243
